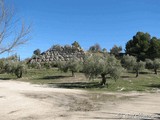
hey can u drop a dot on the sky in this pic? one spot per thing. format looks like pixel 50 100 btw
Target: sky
pixel 106 22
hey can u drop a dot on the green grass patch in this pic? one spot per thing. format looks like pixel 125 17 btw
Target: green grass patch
pixel 147 81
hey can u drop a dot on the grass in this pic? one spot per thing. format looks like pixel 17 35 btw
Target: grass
pixel 147 81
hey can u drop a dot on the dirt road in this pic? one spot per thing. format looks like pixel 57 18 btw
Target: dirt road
pixel 24 101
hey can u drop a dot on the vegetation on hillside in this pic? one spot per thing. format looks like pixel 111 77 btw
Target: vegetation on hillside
pixel 97 65
pixel 142 53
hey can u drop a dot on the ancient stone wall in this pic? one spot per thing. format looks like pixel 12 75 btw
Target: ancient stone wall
pixel 59 53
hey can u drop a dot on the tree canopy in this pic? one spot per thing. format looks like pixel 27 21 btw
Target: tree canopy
pixel 131 63
pixel 76 44
pixel 154 48
pixel 95 65
pixel 72 65
pixel 138 45
pixel 37 52
pixel 156 65
pixel 95 48
pixel 12 65
pixel 142 46
pixel 116 50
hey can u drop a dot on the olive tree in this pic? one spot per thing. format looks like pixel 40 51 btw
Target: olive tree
pixel 72 65
pixel 19 69
pixel 2 64
pixel 15 67
pixel 153 64
pixel 95 65
pixel 10 34
pixel 156 65
pixel 149 64
pixel 139 66
pixel 130 63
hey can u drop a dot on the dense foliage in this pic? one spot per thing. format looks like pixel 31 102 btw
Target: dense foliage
pixel 37 52
pixel 12 65
pixel 141 52
pixel 76 44
pixel 17 68
pixel 95 65
pixel 142 46
pixel 130 63
pixel 72 65
pixel 156 65
pixel 153 64
pixel 116 50
pixel 154 49
pixel 95 48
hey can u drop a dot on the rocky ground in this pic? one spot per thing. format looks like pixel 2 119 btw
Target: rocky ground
pixel 24 101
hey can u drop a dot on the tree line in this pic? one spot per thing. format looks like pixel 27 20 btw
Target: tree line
pixel 98 62
pixel 142 51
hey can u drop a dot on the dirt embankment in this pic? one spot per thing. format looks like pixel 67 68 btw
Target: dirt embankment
pixel 23 101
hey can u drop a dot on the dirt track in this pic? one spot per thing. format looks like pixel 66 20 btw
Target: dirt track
pixel 23 101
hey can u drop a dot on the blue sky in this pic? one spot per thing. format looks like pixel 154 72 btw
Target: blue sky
pixel 107 22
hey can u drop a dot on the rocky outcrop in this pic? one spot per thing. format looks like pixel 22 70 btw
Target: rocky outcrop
pixel 59 53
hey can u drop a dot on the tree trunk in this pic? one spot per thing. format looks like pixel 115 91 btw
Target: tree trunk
pixel 73 75
pixel 155 71
pixel 19 74
pixel 103 82
pixel 137 73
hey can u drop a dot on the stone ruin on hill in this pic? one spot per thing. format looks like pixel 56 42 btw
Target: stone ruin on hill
pixel 59 53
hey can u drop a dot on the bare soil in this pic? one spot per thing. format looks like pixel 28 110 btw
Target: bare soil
pixel 25 101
